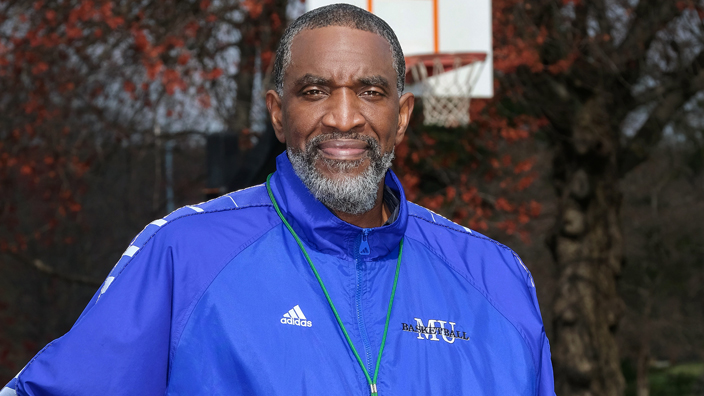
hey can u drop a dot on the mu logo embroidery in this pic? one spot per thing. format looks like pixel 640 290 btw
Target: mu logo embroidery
pixel 435 328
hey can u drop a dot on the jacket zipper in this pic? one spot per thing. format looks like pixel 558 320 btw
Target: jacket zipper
pixel 363 250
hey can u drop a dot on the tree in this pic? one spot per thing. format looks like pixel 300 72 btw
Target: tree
pixel 86 86
pixel 610 77
pixel 469 174
pixel 661 283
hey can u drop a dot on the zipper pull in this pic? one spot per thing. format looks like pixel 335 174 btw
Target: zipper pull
pixel 373 389
pixel 364 246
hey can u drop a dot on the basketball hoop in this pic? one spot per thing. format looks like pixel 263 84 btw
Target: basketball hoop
pixel 445 85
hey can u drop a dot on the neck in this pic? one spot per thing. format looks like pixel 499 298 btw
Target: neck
pixel 376 217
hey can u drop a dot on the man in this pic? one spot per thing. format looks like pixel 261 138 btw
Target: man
pixel 324 281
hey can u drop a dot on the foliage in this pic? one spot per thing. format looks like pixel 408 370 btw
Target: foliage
pixel 680 380
pixel 87 86
pixel 467 174
pixel 612 78
pixel 80 79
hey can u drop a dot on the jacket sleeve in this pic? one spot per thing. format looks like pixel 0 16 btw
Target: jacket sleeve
pixel 545 380
pixel 120 343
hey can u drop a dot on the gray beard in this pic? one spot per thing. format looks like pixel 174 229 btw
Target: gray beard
pixel 344 193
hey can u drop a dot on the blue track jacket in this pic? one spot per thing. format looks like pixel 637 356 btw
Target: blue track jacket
pixel 217 299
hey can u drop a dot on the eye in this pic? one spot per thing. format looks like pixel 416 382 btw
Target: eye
pixel 313 92
pixel 372 93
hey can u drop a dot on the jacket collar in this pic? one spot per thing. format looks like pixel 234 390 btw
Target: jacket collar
pixel 319 228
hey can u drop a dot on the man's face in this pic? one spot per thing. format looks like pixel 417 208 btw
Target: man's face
pixel 340 106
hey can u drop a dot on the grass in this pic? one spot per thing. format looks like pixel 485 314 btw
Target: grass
pixel 685 379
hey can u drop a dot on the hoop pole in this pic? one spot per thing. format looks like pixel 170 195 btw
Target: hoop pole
pixel 436 27
pixel 369 5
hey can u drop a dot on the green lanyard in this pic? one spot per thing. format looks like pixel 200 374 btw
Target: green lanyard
pixel 372 382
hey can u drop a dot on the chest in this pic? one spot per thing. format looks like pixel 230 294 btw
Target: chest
pixel 265 327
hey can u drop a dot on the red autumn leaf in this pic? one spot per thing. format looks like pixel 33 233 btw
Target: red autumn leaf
pixel 450 193
pixel 40 68
pixel 154 68
pixel 67 87
pixel 175 42
pixel 153 52
pixel 525 182
pixel 191 29
pixel 204 101
pixel 503 205
pixel 73 32
pixel 106 9
pixel 140 41
pixel 86 10
pixel 523 218
pixel 183 58
pixel 506 160
pixel 115 22
pixel 508 226
pixel 524 166
pixel 26 170
pixel 534 209
pixel 255 8
pixel 129 86
pixel 213 74
pixel 275 21
pixel 266 58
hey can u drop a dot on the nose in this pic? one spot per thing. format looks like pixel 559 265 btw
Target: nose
pixel 344 113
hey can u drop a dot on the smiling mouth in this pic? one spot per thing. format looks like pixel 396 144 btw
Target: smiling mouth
pixel 343 149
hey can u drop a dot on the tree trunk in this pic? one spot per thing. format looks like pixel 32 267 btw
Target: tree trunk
pixel 643 364
pixel 587 245
pixel 261 32
pixel 245 83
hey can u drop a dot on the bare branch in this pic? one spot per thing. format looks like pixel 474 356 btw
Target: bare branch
pixel 650 16
pixel 42 267
pixel 639 147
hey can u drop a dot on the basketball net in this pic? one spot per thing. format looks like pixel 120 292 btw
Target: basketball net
pixel 447 92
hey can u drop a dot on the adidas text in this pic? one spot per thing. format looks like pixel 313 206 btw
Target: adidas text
pixel 297 322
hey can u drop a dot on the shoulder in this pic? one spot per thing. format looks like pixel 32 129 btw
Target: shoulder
pixel 206 232
pixel 492 268
pixel 467 251
pixel 458 244
pixel 239 205
pixel 237 214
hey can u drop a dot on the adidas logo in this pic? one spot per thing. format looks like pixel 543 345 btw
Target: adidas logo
pixel 295 317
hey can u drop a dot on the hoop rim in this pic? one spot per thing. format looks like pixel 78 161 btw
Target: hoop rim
pixel 447 60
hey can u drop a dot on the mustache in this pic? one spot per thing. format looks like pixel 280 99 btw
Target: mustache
pixel 372 144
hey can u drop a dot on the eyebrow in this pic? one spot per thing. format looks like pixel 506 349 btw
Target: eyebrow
pixel 377 81
pixel 310 79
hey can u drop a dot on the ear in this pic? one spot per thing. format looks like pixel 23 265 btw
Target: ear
pixel 405 109
pixel 273 103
